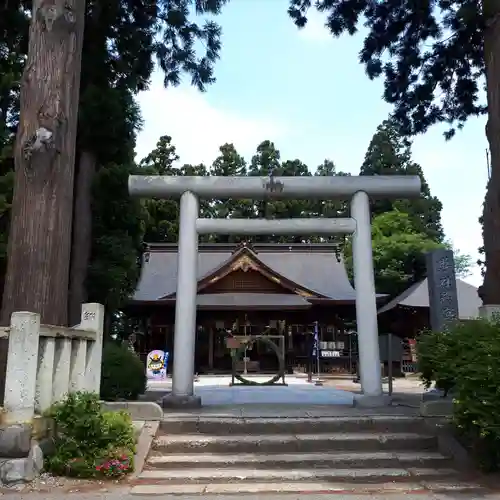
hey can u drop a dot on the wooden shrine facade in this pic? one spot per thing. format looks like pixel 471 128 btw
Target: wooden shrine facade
pixel 243 289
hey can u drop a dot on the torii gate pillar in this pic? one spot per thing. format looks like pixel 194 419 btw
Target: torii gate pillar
pixel 358 189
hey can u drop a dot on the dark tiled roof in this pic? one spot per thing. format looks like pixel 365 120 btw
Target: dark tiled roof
pixel 251 300
pixel 315 267
pixel 418 296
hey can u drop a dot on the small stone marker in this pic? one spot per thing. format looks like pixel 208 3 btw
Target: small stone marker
pixel 442 284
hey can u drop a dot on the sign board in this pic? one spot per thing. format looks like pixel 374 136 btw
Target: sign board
pixel 233 343
pixel 442 284
pixel 156 365
pixel 396 349
pixel 330 354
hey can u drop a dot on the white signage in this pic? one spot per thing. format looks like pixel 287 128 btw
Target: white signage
pixel 330 354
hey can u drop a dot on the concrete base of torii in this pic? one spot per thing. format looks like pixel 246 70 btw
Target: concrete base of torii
pixel 174 402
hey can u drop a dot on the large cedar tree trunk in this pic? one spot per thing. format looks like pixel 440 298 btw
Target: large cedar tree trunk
pixel 82 234
pixel 490 291
pixel 40 233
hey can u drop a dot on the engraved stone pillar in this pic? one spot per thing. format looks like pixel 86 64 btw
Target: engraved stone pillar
pixel 22 360
pixel 442 285
pixel 93 320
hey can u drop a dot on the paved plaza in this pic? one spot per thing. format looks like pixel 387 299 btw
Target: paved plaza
pixel 216 391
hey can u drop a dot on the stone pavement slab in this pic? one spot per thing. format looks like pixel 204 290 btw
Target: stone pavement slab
pixel 288 411
pixel 123 494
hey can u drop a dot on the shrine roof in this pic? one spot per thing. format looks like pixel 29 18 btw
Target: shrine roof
pixel 251 301
pixel 417 296
pixel 318 268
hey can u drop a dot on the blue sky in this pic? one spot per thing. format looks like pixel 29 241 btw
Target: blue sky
pixel 305 91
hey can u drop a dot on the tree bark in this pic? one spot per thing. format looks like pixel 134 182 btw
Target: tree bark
pixel 490 291
pixel 40 233
pixel 82 234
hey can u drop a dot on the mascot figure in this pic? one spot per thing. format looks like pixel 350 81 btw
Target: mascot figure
pixel 156 365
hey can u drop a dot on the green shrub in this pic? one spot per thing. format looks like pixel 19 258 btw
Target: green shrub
pixel 466 358
pixel 123 375
pixel 436 353
pixel 89 442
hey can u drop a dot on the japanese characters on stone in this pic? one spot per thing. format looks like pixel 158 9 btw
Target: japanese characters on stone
pixel 441 279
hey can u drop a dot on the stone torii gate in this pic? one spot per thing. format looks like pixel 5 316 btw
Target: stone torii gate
pixel 356 188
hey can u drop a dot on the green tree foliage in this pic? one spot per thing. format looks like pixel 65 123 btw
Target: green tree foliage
pixel 123 39
pixel 118 384
pixel 398 252
pixel 403 230
pixel 163 215
pixel 264 162
pixel 464 358
pixel 290 209
pixel 163 222
pixel 400 236
pixel 433 57
pixel 420 49
pixel 13 47
pixel 329 208
pixel 118 229
pixel 228 163
pixel 389 153
pixel 463 262
pixel 87 440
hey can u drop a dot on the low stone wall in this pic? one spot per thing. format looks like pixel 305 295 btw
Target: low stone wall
pixel 44 364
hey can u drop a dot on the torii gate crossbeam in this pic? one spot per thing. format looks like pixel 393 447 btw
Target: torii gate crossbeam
pixel 356 188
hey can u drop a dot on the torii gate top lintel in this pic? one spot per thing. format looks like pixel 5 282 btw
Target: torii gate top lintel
pixel 318 187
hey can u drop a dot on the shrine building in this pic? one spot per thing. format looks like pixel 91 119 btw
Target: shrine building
pixel 251 289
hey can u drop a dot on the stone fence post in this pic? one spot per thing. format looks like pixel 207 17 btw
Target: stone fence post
pixel 93 320
pixel 22 360
pixel 45 363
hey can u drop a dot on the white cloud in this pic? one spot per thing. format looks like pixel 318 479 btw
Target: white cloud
pixel 198 128
pixel 315 29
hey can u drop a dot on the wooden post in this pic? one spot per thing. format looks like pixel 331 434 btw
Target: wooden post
pixel 211 348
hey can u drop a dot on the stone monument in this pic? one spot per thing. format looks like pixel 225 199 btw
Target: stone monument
pixel 442 284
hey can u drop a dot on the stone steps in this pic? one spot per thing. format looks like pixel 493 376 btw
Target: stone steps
pixel 293 443
pixel 385 490
pixel 171 461
pixel 290 425
pixel 209 455
pixel 231 475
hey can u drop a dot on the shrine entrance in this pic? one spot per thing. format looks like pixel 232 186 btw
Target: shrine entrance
pixel 358 189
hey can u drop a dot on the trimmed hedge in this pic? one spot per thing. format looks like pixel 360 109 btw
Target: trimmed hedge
pixel 123 375
pixel 466 359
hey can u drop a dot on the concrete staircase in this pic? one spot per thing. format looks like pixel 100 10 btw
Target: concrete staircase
pixel 216 455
